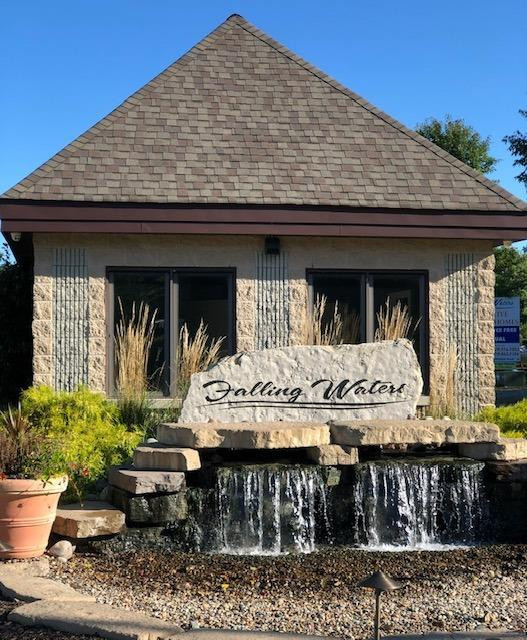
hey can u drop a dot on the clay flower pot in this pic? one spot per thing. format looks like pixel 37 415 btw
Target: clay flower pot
pixel 27 513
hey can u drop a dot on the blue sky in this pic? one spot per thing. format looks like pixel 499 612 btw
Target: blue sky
pixel 66 64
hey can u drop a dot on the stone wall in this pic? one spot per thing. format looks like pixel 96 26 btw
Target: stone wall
pixel 460 274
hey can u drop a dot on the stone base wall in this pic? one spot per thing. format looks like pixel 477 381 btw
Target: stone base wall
pixel 461 285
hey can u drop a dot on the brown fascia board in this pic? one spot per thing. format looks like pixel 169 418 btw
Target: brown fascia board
pixel 76 217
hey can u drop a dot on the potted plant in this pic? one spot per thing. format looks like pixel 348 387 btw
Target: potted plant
pixel 31 481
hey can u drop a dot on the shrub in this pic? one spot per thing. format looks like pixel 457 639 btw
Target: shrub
pixel 511 419
pixel 86 426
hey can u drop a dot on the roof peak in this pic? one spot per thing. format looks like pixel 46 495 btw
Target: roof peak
pixel 213 118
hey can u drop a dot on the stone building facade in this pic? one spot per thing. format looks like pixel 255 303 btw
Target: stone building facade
pixel 72 330
pixel 240 184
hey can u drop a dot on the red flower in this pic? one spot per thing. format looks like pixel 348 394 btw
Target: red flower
pixel 85 472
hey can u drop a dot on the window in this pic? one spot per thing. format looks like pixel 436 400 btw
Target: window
pixel 360 296
pixel 176 297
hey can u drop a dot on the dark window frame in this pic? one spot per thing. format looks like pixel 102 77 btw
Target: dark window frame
pixel 171 320
pixel 367 319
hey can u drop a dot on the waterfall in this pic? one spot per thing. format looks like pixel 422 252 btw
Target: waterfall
pixel 270 509
pixel 418 504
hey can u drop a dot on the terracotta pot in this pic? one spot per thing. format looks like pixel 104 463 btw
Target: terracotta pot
pixel 27 513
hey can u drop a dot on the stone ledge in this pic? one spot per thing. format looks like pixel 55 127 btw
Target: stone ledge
pixel 427 432
pixel 92 618
pixel 162 458
pixel 244 435
pixel 90 520
pixel 507 449
pixel 142 482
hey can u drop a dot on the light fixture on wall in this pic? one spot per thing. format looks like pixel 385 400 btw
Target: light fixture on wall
pixel 272 246
pixel 15 236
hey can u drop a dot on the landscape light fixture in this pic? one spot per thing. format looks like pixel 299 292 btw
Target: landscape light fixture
pixel 380 583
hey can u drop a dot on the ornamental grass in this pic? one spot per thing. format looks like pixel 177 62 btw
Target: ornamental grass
pixel 195 353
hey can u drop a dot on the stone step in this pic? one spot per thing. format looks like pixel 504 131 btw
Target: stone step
pixel 26 588
pixel 89 520
pixel 357 433
pixel 93 619
pixel 161 458
pixel 507 449
pixel 141 482
pixel 244 435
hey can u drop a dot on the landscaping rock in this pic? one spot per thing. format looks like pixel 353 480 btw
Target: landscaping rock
pixel 244 435
pixel 93 619
pixel 62 549
pixel 141 482
pixel 310 383
pixel 148 509
pixel 427 432
pixel 163 458
pixel 229 634
pixel 38 567
pixel 30 589
pixel 505 449
pixel 333 454
pixel 89 520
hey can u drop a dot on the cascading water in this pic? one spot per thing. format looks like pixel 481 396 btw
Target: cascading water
pixel 270 509
pixel 418 504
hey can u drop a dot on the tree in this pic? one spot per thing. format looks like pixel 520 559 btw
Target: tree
pixel 461 141
pixel 517 143
pixel 15 327
pixel 511 279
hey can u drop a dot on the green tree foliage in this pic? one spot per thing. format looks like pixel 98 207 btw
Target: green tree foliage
pixel 15 328
pixel 511 279
pixel 517 143
pixel 461 141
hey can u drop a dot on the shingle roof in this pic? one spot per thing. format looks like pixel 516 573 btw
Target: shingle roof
pixel 241 119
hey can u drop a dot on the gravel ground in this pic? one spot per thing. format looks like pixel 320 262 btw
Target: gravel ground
pixel 314 594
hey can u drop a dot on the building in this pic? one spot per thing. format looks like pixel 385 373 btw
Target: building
pixel 237 186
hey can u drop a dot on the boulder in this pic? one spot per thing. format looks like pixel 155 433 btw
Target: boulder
pixel 357 433
pixel 158 457
pixel 244 435
pixel 333 454
pixel 308 383
pixel 141 482
pixel 505 449
pixel 88 520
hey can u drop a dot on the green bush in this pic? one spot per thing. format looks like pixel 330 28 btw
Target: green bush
pixel 511 419
pixel 87 428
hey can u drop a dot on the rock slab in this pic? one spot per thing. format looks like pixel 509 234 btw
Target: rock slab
pixel 308 383
pixel 333 454
pixel 158 457
pixel 357 433
pixel 30 589
pixel 93 619
pixel 90 520
pixel 142 482
pixel 244 435
pixel 506 449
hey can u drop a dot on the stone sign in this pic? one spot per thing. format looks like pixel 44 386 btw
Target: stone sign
pixel 308 383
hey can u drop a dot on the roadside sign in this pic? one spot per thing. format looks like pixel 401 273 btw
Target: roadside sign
pixel 507 332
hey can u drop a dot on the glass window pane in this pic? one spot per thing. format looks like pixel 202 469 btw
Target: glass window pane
pixel 343 290
pixel 206 297
pixel 403 289
pixel 134 288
